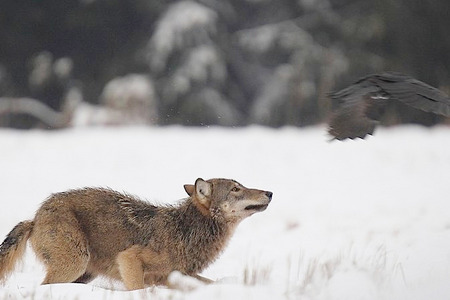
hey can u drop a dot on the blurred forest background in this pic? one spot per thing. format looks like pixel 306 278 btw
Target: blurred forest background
pixel 227 62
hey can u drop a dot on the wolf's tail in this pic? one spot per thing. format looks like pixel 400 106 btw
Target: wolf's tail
pixel 13 247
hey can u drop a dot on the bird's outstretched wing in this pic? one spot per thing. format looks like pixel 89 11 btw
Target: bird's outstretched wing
pixel 413 92
pixel 361 105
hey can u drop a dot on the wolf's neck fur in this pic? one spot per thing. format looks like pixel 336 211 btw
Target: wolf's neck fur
pixel 192 238
pixel 192 221
pixel 203 237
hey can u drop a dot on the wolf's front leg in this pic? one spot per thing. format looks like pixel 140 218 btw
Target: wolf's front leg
pixel 131 268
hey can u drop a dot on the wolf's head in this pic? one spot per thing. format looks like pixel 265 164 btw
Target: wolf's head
pixel 227 198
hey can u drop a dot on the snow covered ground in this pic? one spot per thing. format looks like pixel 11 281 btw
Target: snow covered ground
pixel 349 220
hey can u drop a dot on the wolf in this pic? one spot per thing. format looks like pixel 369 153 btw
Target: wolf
pixel 84 233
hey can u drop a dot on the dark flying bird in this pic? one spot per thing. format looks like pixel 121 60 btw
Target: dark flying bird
pixel 361 105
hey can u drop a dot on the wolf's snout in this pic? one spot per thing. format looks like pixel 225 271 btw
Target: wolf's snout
pixel 269 195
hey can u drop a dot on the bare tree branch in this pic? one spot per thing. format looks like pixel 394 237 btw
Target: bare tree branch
pixel 34 108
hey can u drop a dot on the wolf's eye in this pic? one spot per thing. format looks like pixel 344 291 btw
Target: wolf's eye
pixel 235 189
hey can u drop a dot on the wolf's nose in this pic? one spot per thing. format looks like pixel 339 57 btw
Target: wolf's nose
pixel 269 195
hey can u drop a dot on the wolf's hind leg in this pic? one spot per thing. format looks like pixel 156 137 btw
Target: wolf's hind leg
pixel 67 267
pixel 61 245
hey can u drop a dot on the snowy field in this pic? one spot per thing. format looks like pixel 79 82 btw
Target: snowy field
pixel 349 220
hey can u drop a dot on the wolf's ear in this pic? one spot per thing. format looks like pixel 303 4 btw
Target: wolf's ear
pixel 203 191
pixel 189 188
pixel 202 188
